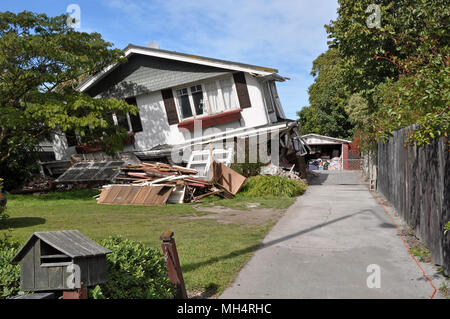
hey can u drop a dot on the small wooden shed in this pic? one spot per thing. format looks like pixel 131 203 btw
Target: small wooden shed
pixel 51 260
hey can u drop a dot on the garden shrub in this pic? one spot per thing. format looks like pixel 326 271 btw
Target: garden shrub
pixel 134 272
pixel 9 273
pixel 247 169
pixel 272 186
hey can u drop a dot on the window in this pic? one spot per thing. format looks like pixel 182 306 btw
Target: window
pixel 197 97
pixel 268 97
pixel 226 87
pixel 213 97
pixel 209 98
pixel 128 121
pixel 185 105
pixel 135 120
pixel 122 121
pixel 136 123
pixel 50 256
pixel 71 138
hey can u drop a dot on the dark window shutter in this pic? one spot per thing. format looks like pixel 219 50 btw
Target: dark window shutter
pixel 169 104
pixel 242 91
pixel 136 124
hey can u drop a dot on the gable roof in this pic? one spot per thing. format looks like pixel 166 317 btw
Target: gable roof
pixel 326 138
pixel 181 57
pixel 70 242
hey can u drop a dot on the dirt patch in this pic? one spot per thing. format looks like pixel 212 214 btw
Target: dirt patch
pixel 223 215
pixel 417 248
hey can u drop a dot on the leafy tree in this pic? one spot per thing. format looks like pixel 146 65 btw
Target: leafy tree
pixel 357 109
pixel 42 61
pixel 401 68
pixel 327 97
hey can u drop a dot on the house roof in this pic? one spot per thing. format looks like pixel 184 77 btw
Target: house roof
pixel 181 57
pixel 325 139
pixel 70 242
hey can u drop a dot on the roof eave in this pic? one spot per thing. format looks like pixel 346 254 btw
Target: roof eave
pixel 133 49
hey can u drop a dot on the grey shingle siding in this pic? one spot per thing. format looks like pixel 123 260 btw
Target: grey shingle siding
pixel 143 74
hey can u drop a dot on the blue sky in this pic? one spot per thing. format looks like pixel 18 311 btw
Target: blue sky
pixel 283 34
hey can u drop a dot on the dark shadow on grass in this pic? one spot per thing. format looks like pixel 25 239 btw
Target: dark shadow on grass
pixel 253 248
pixel 210 290
pixel 80 194
pixel 21 222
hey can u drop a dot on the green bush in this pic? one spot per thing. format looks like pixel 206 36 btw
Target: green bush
pixel 134 272
pixel 446 228
pixel 9 273
pixel 272 186
pixel 247 169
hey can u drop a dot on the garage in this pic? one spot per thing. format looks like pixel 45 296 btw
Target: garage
pixel 330 153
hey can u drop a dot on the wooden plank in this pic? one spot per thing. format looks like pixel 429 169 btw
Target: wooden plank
pixel 55 277
pixel 227 178
pixel 163 195
pixel 134 191
pixel 122 196
pixel 152 195
pixel 27 271
pixel 41 273
pixel 39 295
pixel 141 196
pixel 111 194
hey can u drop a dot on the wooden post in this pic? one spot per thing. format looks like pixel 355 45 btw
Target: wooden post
pixel 173 263
pixel 76 294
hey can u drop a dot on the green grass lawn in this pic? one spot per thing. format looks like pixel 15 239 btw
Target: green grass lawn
pixel 211 253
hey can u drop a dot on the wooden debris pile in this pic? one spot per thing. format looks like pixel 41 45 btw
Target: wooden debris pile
pixel 160 183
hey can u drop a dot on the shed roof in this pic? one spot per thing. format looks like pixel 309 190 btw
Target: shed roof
pixel 321 139
pixel 70 242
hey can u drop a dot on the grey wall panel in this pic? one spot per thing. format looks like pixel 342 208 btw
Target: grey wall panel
pixel 143 74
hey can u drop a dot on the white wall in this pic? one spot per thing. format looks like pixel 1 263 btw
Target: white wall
pixel 257 114
pixel 156 129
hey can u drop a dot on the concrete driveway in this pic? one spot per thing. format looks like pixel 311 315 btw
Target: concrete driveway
pixel 323 245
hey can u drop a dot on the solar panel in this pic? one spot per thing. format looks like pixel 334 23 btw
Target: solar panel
pixel 91 171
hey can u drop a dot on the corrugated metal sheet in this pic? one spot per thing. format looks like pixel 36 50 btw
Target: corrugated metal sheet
pixel 91 171
pixel 70 242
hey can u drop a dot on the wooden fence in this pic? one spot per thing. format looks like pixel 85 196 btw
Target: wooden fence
pixel 416 181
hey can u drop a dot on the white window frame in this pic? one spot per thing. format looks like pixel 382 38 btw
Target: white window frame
pixel 208 112
pixel 116 121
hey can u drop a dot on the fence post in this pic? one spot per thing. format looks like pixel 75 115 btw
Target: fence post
pixel 173 264
pixel 80 293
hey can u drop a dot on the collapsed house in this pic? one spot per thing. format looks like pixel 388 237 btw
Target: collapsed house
pixel 189 104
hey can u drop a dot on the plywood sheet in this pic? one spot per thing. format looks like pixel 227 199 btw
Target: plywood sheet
pixel 227 178
pixel 147 195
